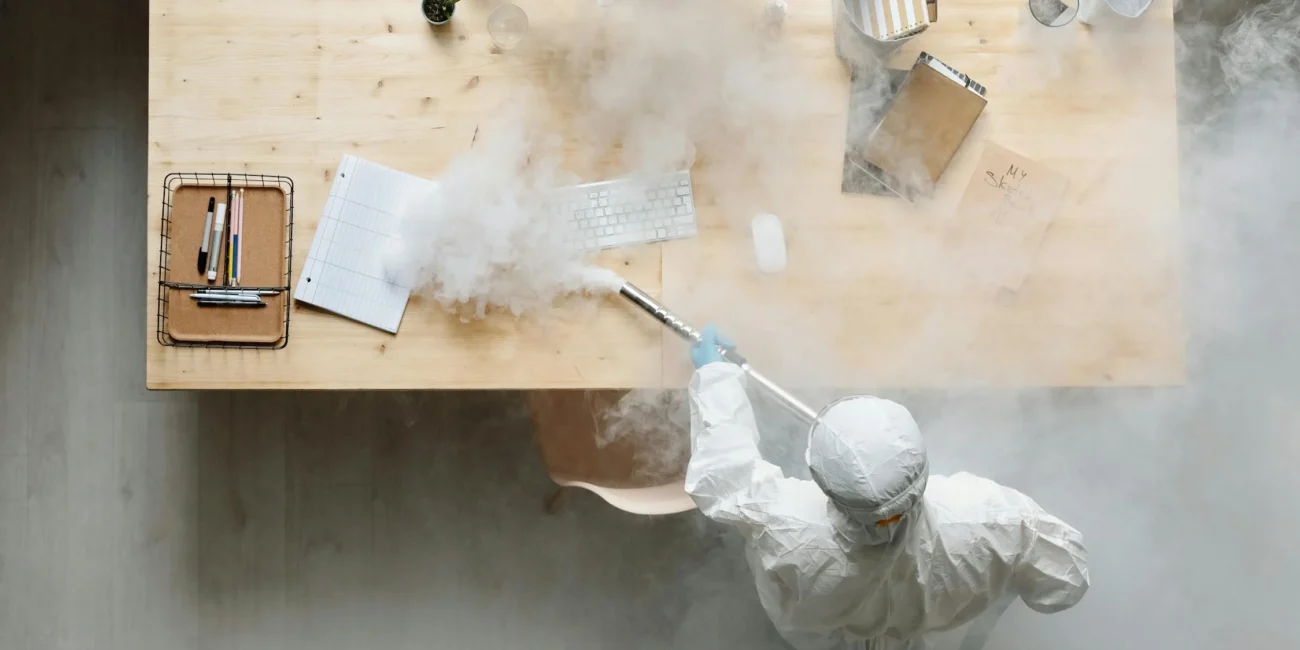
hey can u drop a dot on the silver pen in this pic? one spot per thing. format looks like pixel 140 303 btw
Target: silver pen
pixel 227 297
pixel 240 292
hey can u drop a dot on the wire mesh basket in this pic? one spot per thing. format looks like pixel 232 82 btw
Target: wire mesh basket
pixel 231 182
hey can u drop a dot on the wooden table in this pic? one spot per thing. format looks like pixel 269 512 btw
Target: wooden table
pixel 289 87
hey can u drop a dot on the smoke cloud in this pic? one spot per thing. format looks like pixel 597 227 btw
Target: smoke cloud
pixel 1183 494
pixel 636 89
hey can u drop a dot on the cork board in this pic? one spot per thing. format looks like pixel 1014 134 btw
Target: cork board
pixel 264 242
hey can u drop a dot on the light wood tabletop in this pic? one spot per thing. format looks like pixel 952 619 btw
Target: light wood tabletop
pixel 289 87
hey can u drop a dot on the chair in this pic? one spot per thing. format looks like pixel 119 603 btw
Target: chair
pixel 568 425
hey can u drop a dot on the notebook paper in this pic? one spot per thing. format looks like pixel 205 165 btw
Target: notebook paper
pixel 359 228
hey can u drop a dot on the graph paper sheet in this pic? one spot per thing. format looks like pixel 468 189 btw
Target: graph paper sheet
pixel 359 228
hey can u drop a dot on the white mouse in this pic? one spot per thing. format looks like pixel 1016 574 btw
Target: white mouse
pixel 769 243
pixel 776 12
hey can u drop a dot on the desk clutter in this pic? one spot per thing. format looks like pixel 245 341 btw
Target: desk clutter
pixel 224 260
pixel 904 127
pixel 348 268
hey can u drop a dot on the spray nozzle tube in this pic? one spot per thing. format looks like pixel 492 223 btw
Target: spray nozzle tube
pixel 684 330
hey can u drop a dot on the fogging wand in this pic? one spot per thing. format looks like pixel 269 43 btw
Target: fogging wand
pixel 684 330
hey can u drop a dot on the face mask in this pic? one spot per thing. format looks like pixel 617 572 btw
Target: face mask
pixel 870 534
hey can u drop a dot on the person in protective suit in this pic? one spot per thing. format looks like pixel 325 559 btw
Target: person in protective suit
pixel 873 552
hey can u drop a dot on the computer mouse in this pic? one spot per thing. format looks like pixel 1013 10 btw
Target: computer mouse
pixel 769 243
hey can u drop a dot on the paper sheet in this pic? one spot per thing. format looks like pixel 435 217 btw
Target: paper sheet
pixel 1003 217
pixel 358 229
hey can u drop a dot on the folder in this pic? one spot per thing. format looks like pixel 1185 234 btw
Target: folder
pixel 924 126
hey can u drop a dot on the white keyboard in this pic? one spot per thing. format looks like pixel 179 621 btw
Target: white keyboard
pixel 628 211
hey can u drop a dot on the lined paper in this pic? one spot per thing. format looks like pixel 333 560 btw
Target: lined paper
pixel 359 227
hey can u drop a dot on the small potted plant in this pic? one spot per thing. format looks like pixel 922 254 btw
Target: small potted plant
pixel 438 12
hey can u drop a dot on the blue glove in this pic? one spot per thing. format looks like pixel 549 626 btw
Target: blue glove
pixel 706 351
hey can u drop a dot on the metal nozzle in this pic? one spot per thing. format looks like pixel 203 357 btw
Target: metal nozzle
pixel 684 330
pixel 661 313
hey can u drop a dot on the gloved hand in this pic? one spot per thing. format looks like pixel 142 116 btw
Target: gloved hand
pixel 706 351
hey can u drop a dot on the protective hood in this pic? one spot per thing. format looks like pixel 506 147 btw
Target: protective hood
pixel 867 455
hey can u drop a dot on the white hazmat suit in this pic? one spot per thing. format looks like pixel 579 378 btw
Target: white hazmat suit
pixel 873 552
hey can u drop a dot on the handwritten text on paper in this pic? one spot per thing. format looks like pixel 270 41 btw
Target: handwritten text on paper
pixel 1002 218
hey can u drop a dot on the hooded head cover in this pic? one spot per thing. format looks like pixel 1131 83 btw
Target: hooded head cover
pixel 867 455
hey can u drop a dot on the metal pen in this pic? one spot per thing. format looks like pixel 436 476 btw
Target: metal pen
pixel 229 297
pixel 240 292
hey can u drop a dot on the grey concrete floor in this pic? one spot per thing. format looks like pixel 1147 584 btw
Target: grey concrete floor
pixel 291 520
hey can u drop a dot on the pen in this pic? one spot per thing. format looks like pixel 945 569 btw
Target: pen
pixel 207 232
pixel 214 259
pixel 230 303
pixel 239 248
pixel 234 241
pixel 231 297
pixel 239 292
pixel 230 245
pixel 230 231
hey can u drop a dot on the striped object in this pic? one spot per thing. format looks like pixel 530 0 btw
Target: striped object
pixel 889 20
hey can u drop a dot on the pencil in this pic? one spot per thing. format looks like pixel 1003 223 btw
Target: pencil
pixel 230 241
pixel 239 253
pixel 234 246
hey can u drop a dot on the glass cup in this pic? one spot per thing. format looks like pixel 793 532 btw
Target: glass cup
pixel 507 26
